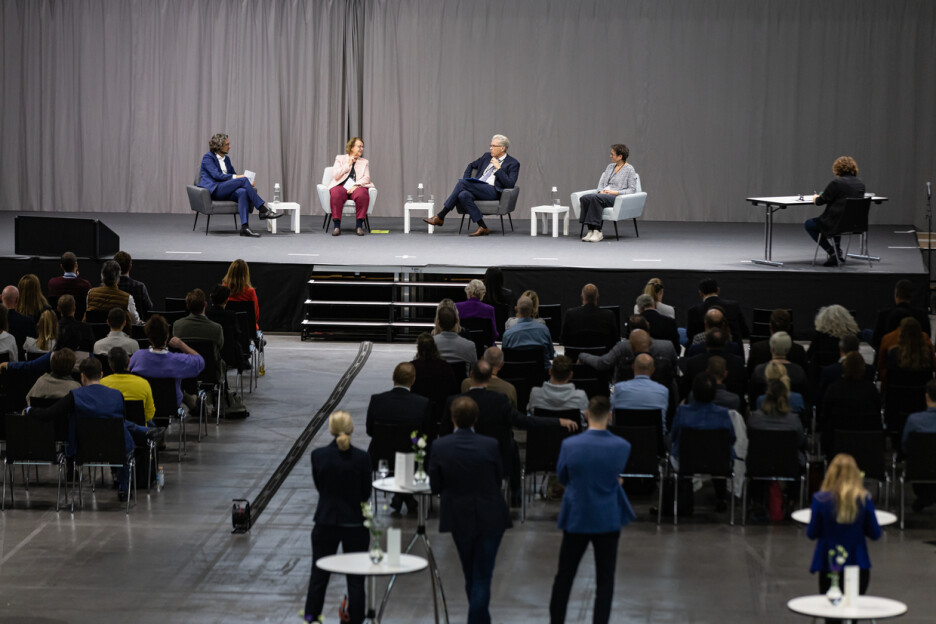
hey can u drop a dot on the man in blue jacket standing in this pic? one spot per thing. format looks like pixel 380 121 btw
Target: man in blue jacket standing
pixel 594 508
pixel 218 176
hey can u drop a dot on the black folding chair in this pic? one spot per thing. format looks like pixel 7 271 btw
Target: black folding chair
pixel 30 442
pixel 772 456
pixel 95 316
pixel 868 449
pixel 593 382
pixel 853 221
pixel 542 454
pixel 207 382
pixel 134 412
pixel 645 461
pixel 167 407
pixel 105 364
pixel 642 418
pixel 480 332
pixel 100 444
pixel 551 313
pixel 249 330
pixel 920 465
pixel 525 369
pixel 704 452
pixel 174 304
pixel 99 330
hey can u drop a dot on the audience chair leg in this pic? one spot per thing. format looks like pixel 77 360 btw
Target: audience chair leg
pixel 902 501
pixel 523 496
pixel 660 496
pixel 744 486
pixel 3 500
pixel 730 483
pixel 675 499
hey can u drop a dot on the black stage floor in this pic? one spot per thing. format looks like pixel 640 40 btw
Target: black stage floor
pixel 171 258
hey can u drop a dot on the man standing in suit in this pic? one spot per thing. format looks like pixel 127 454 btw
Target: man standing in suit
pixel 465 469
pixel 591 319
pixel 711 296
pixel 197 326
pixel 594 508
pixel 399 406
pixel 69 283
pixel 661 327
pixel 218 176
pixel 497 171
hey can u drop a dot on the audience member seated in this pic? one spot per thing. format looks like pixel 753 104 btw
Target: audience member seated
pixel 32 303
pixel 527 333
pixel 717 369
pixel 453 348
pixel 889 318
pixel 48 330
pixel 237 279
pixel 833 372
pixel 93 400
pixel 232 352
pixel 495 357
pixel 642 392
pixel 714 317
pixel 134 288
pixel 776 414
pixel 711 296
pixel 715 340
pixel 535 299
pixel 197 326
pixel 400 406
pixel 589 319
pixel 21 327
pixel 68 325
pixel 661 327
pixel 559 393
pixel 434 377
pixel 777 371
pixel 69 283
pixel 851 402
pixel 7 341
pixel 498 296
pixel 474 308
pixel 888 342
pixel 59 381
pixel 132 387
pixel 779 348
pixel 108 295
pixel 158 362
pixel 922 422
pixel 116 321
pixel 621 357
pixel 654 288
pixel 911 362
pixel 702 413
pixel 832 324
pixel 780 321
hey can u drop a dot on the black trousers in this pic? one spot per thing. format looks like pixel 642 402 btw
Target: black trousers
pixel 325 541
pixel 570 554
pixel 590 207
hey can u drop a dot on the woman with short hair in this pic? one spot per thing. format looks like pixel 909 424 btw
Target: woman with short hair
pixel 619 178
pixel 350 180
pixel 473 307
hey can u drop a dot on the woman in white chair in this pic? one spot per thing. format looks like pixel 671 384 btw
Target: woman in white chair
pixel 350 180
pixel 618 179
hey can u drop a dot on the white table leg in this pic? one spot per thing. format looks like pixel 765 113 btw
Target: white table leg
pixel 295 220
pixel 555 225
pixel 429 216
pixel 271 225
pixel 533 224
pixel 406 220
pixel 565 224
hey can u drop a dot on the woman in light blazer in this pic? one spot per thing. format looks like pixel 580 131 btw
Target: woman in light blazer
pixel 350 180
pixel 619 178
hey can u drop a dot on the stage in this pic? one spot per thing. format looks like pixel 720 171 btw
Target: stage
pixel 172 258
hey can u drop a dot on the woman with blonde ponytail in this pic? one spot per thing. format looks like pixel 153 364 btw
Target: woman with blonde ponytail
pixel 842 515
pixel 342 476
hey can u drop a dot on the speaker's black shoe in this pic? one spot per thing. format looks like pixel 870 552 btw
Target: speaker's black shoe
pixel 246 231
pixel 270 214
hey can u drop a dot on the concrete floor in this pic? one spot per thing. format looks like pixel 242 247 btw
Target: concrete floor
pixel 173 559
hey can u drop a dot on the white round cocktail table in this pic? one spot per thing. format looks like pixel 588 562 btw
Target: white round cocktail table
pixel 864 608
pixel 883 517
pixel 359 563
pixel 555 211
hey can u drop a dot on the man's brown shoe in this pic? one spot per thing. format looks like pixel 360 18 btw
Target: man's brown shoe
pixel 481 231
pixel 433 220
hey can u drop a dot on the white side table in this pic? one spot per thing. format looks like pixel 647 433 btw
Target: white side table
pixel 360 563
pixel 409 207
pixel 864 608
pixel 555 211
pixel 286 207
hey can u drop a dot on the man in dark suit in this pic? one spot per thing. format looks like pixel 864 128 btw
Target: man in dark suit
pixel 736 380
pixel 218 176
pixel 711 296
pixel 760 351
pixel 889 319
pixel 69 283
pixel 399 406
pixel 465 469
pixel 620 358
pixel 714 317
pixel 197 326
pixel 132 287
pixel 77 334
pixel 497 171
pixel 661 327
pixel 590 320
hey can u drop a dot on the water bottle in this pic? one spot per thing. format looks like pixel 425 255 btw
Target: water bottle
pixel 555 196
pixel 277 193
pixel 419 192
pixel 160 479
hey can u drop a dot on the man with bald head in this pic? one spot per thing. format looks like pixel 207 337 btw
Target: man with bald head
pixel 20 326
pixel 589 325
pixel 641 392
pixel 495 357
pixel 621 358
pixel 527 333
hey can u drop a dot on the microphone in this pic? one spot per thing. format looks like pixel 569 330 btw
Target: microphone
pixel 929 191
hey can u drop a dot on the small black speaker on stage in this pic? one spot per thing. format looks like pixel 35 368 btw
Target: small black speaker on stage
pixel 240 515
pixel 50 236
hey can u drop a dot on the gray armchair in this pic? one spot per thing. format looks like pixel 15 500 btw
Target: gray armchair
pixel 504 206
pixel 201 203
pixel 625 207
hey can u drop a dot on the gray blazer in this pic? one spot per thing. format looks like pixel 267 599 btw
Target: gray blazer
pixel 624 181
pixel 454 348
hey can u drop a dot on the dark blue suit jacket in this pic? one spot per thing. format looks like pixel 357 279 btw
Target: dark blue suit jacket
pixel 343 481
pixel 210 175
pixel 504 178
pixel 825 528
pixel 465 468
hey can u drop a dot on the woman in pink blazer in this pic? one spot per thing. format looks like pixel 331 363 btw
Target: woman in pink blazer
pixel 350 179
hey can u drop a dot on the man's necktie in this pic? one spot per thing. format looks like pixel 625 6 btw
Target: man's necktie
pixel 487 172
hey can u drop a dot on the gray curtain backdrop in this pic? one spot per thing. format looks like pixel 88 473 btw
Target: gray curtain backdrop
pixel 108 104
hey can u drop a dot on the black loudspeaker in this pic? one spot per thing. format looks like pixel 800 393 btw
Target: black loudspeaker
pixel 51 236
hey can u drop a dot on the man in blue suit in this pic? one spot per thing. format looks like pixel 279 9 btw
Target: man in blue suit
pixel 465 468
pixel 497 170
pixel 594 508
pixel 218 176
